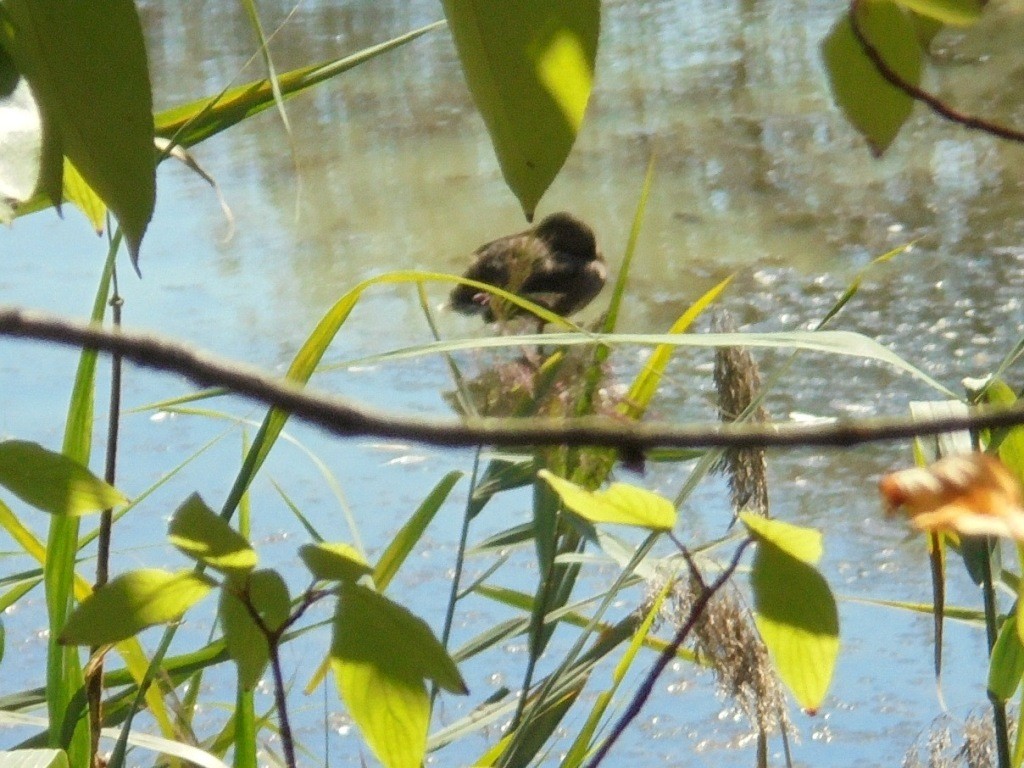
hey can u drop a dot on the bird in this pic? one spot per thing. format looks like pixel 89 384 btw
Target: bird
pixel 555 264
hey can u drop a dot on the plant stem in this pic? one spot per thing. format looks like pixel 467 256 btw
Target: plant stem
pixel 287 743
pixel 94 685
pixel 669 653
pixel 992 632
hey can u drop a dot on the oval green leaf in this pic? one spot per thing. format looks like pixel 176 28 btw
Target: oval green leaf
pixel 267 594
pixel 87 66
pixel 334 562
pixel 380 656
pixel 796 615
pixel 131 602
pixel 1006 665
pixel 529 66
pixel 52 482
pixel 621 503
pixel 203 535
pixel 796 541
pixel 876 108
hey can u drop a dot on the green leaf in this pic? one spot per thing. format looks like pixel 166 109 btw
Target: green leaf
pixel 77 191
pixel 52 482
pixel 203 535
pixel 267 594
pixel 1006 664
pixel 86 62
pixel 403 542
pixel 621 503
pixel 334 562
pixel 1010 441
pixel 798 621
pixel 34 758
pixel 646 383
pixel 960 13
pixel 529 66
pixel 131 602
pixel 875 107
pixel 380 656
pixel 796 541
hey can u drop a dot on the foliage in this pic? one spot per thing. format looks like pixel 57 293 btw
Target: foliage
pixel 94 142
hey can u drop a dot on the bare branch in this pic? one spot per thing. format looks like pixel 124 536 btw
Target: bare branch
pixel 669 652
pixel 347 418
pixel 939 107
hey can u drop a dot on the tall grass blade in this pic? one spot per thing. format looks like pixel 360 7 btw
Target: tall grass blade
pixel 584 738
pixel 612 315
pixel 404 541
pixel 646 383
pixel 64 676
pixel 199 120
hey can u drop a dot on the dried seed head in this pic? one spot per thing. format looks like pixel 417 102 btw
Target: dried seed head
pixel 725 638
pixel 738 382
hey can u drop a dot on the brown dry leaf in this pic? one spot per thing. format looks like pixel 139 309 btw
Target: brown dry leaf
pixel 973 494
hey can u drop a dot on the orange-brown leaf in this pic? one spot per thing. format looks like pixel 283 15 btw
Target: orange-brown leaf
pixel 972 494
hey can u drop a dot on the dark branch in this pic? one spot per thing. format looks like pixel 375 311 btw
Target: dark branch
pixel 937 106
pixel 344 417
pixel 669 653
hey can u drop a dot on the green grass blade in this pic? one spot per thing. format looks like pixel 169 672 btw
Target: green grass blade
pixel 612 316
pixel 858 279
pixel 582 743
pixel 244 737
pixel 404 541
pixel 64 676
pixel 199 120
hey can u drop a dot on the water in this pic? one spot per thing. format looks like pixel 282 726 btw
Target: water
pixel 388 167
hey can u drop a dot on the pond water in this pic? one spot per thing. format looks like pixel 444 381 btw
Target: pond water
pixel 388 167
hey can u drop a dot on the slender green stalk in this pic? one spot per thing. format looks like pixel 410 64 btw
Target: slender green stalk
pixel 991 632
pixel 95 679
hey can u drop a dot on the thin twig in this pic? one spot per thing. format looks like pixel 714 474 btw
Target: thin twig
pixel 939 107
pixel 345 417
pixel 273 639
pixel 670 651
pixel 95 682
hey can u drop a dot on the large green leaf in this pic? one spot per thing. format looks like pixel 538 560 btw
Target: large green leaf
pixel 529 66
pixel 620 503
pixel 205 536
pixel 874 106
pixel 380 656
pixel 795 611
pixel 52 482
pixel 131 602
pixel 267 594
pixel 86 62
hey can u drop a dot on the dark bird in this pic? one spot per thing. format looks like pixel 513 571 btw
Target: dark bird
pixel 555 264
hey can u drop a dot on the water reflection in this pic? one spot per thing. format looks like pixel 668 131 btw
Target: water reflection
pixel 388 167
pixel 755 170
pixel 753 161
